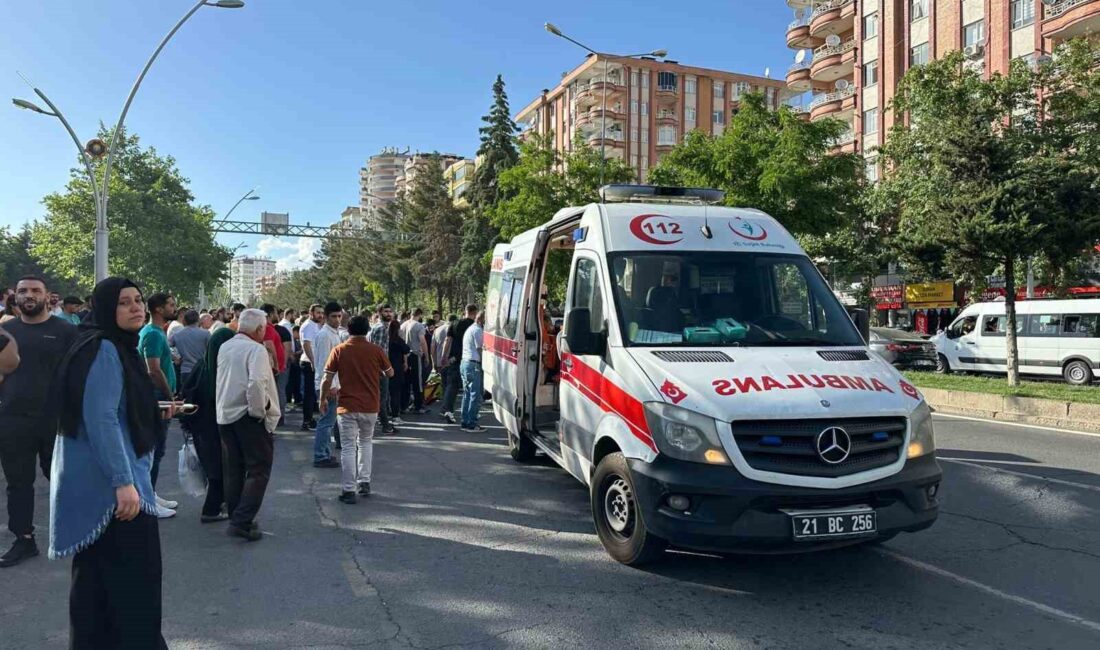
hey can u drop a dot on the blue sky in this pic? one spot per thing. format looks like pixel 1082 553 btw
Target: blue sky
pixel 293 95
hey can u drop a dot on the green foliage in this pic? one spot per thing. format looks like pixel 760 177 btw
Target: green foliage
pixel 773 161
pixel 988 173
pixel 158 237
pixel 16 261
pixel 544 181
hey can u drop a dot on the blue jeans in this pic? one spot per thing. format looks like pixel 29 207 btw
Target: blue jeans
pixel 471 398
pixel 322 435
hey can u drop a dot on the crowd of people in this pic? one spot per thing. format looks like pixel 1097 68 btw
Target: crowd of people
pixel 89 388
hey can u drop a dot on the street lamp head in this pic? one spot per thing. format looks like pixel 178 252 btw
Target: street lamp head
pixel 227 4
pixel 252 198
pixel 550 27
pixel 660 54
pixel 30 106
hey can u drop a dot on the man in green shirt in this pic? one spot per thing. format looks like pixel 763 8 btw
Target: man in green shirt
pixel 153 347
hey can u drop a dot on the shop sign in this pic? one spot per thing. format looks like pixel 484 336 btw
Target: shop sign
pixel 930 295
pixel 889 296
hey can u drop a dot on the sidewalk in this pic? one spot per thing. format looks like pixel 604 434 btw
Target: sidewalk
pixel 1075 416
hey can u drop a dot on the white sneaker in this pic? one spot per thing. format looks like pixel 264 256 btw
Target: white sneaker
pixel 165 503
pixel 397 422
pixel 165 513
pixel 450 417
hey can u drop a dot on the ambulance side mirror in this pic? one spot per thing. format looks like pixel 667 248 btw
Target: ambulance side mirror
pixel 579 337
pixel 862 320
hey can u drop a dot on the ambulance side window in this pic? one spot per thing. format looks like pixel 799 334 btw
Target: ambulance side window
pixel 493 302
pixel 513 285
pixel 587 293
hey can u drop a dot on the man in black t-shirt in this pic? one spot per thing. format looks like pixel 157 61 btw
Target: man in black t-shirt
pixel 28 421
pixel 452 356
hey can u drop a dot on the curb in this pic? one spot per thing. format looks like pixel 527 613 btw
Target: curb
pixel 1009 408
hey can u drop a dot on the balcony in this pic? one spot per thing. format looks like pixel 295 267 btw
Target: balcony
pixel 667 117
pixel 833 104
pixel 798 77
pixel 594 116
pixel 835 17
pixel 667 91
pixel 613 138
pixel 798 34
pixel 832 62
pixel 844 143
pixel 584 93
pixel 1070 18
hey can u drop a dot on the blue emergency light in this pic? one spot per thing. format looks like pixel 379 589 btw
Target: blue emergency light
pixel 579 234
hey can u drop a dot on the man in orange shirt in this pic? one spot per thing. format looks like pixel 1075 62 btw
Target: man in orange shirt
pixel 360 365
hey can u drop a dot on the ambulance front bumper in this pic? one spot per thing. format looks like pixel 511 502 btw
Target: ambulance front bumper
pixel 731 513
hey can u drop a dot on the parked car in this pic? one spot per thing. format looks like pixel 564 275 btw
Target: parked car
pixel 903 349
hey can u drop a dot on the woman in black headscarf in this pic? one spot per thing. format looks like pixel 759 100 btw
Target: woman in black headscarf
pixel 103 509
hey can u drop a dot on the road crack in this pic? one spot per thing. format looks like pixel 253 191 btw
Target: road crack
pixel 1020 538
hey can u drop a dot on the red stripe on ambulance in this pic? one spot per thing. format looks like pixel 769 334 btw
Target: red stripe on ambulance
pixel 607 395
pixel 500 346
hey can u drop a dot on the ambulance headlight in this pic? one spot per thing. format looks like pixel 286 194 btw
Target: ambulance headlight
pixel 685 434
pixel 923 441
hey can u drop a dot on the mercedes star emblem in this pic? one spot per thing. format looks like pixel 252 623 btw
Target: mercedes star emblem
pixel 833 445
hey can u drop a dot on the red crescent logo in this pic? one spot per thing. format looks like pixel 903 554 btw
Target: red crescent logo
pixel 909 390
pixel 749 231
pixel 648 227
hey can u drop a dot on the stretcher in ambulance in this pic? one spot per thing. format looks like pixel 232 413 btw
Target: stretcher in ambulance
pixel 707 385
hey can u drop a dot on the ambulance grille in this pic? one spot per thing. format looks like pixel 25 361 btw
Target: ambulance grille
pixel 843 355
pixel 789 446
pixel 692 356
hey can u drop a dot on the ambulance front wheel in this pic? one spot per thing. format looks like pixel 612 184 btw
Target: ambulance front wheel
pixel 618 519
pixel 520 447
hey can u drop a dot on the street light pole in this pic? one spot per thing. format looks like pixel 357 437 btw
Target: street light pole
pixel 100 192
pixel 248 196
pixel 550 27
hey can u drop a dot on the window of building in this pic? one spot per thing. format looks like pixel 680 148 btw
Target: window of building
pixel 645 162
pixel 870 74
pixel 870 121
pixel 769 96
pixel 666 81
pixel 689 114
pixel 974 33
pixel 1023 13
pixel 689 86
pixel 666 135
pixel 634 134
pixel 645 79
pixel 634 79
pixel 645 136
pixel 718 117
pixel 719 90
pixel 918 9
pixel 870 26
pixel 918 55
pixel 634 160
pixel 870 170
pixel 645 108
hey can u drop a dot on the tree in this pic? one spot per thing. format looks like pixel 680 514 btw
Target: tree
pixel 545 181
pixel 986 174
pixel 774 161
pixel 158 237
pixel 496 154
pixel 439 222
pixel 16 261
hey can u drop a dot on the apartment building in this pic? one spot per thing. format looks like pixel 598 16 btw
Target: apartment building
pixel 244 271
pixel 851 54
pixel 379 180
pixel 459 175
pixel 412 165
pixel 650 105
pixel 266 283
pixel 353 216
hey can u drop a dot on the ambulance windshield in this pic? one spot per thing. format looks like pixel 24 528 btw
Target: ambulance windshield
pixel 698 299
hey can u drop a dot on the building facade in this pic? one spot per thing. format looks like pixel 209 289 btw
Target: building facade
pixel 353 216
pixel 412 166
pixel 266 283
pixel 851 54
pixel 379 180
pixel 244 271
pixel 459 175
pixel 650 105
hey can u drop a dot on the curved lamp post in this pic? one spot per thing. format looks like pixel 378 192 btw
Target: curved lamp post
pixel 660 54
pixel 249 196
pixel 100 191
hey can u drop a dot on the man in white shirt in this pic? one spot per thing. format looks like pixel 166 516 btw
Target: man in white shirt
pixel 247 410
pixel 472 344
pixel 416 338
pixel 309 392
pixel 327 338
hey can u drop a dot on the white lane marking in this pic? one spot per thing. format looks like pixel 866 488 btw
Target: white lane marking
pixel 1000 470
pixel 1019 425
pixel 993 591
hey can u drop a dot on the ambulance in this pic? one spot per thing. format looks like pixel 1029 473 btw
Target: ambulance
pixel 706 385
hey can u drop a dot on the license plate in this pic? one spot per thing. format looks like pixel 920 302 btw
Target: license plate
pixel 826 525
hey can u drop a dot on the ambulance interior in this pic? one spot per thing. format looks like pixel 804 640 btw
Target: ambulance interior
pixel 554 279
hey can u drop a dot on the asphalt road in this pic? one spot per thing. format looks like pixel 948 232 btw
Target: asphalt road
pixel 460 546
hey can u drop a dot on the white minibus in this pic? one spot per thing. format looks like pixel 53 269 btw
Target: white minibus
pixel 1054 338
pixel 707 385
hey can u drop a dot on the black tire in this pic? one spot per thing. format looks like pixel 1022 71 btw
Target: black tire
pixel 521 448
pixel 618 519
pixel 1077 373
pixel 942 365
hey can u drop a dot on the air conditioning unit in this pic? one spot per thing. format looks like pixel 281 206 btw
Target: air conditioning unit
pixel 974 51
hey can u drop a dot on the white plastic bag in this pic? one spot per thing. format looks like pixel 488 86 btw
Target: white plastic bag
pixel 192 478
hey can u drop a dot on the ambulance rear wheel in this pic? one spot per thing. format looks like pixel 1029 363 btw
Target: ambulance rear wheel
pixel 520 447
pixel 618 519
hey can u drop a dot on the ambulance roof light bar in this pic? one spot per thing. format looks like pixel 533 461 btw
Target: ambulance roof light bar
pixel 656 194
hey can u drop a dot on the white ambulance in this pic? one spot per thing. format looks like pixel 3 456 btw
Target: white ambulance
pixel 707 385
